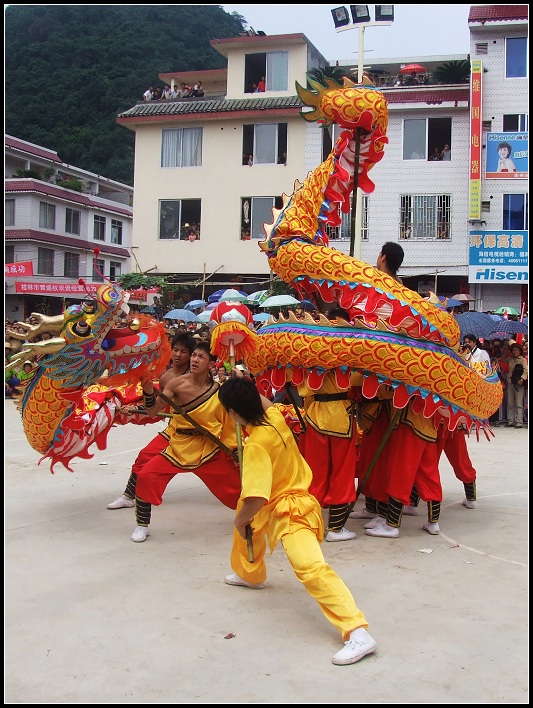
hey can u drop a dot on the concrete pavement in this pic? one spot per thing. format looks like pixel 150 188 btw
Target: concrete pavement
pixel 91 617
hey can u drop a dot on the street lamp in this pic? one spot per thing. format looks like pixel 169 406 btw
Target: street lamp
pixel 384 15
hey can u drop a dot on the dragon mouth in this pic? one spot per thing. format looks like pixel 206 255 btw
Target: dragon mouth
pixel 124 340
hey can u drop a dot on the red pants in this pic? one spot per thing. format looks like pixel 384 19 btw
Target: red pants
pixel 406 460
pixel 333 462
pixel 155 446
pixel 220 475
pixel 453 444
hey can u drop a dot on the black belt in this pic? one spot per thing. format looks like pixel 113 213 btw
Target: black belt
pixel 324 397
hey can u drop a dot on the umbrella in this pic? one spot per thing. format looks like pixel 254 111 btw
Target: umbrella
pixel 149 310
pixel 262 317
pixel 205 316
pixel 194 304
pixel 232 295
pixel 463 297
pixel 479 324
pixel 257 298
pixel 279 301
pixel 183 315
pixel 211 306
pixel 506 327
pixel 215 297
pixel 507 311
pixel 409 68
pixel 307 305
pixel 449 302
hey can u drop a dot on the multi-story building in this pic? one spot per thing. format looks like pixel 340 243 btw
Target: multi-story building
pixel 55 216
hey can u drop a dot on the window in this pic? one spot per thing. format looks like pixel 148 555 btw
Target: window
pixel 72 221
pixel 515 212
pixel 9 253
pixel 274 66
pixel 72 265
pixel 515 57
pixel 426 216
pixel 181 147
pixel 255 211
pixel 9 215
pixel 180 219
pixel 266 142
pixel 98 270
pixel 114 270
pixel 45 261
pixel 47 216
pixel 116 231
pixel 99 228
pixel 422 135
pixel 343 231
pixel 515 123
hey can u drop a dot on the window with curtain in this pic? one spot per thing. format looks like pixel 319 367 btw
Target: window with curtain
pixel 277 71
pixel 343 231
pixel 45 261
pixel 256 211
pixel 9 214
pixel 116 231
pixel 422 135
pixel 515 212
pixel 181 147
pixel 72 221
pixel 47 215
pixel 71 265
pixel 99 228
pixel 266 142
pixel 115 270
pixel 98 270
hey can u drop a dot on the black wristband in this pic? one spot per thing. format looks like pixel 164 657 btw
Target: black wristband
pixel 149 400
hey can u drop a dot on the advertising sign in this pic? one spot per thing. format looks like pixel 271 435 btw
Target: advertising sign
pixel 507 156
pixel 499 257
pixel 13 270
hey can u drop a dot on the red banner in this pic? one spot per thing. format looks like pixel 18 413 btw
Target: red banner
pixel 14 270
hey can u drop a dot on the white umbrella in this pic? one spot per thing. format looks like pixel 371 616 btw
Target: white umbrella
pixel 232 295
pixel 257 298
pixel 279 301
pixel 205 316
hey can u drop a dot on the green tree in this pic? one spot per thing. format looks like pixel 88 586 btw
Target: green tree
pixel 452 72
pixel 85 64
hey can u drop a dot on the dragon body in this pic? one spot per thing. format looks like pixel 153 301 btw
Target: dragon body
pixel 392 336
pixel 86 373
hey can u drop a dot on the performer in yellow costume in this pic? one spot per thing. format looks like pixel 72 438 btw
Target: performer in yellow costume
pixel 275 499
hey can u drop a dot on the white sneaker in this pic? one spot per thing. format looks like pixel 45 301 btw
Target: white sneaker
pixel 410 510
pixel 362 514
pixel 122 502
pixel 383 531
pixel 376 521
pixel 234 579
pixel 342 535
pixel 359 645
pixel 469 503
pixel 433 529
pixel 140 534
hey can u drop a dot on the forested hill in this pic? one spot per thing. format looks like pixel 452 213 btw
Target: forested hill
pixel 70 69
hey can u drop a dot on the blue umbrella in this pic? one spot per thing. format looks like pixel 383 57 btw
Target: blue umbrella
pixel 307 305
pixel 506 327
pixel 183 315
pixel 262 317
pixel 480 324
pixel 195 304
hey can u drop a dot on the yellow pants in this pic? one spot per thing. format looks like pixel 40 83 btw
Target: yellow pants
pixel 305 556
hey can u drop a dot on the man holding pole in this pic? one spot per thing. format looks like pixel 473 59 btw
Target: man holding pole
pixel 275 498
pixel 202 441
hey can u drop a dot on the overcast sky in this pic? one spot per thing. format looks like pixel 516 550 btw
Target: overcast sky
pixel 417 30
